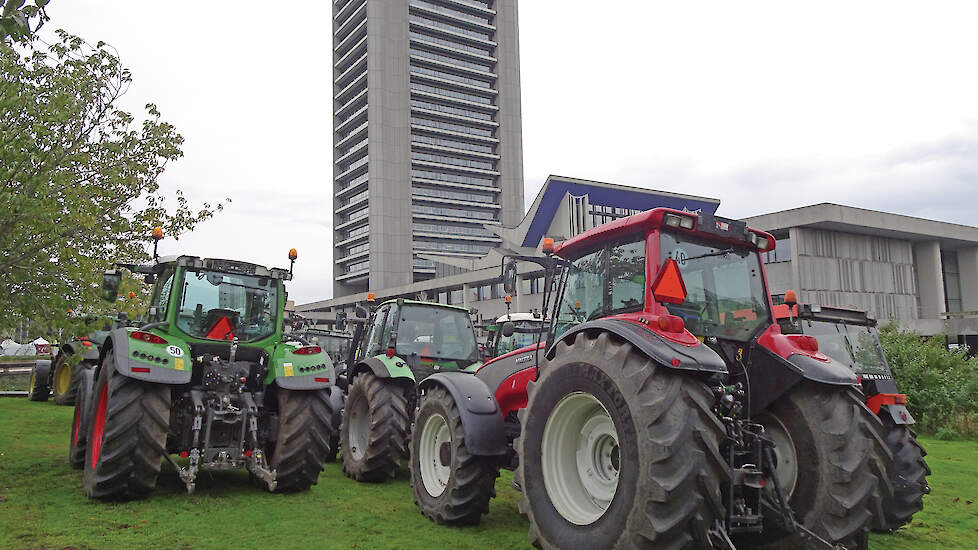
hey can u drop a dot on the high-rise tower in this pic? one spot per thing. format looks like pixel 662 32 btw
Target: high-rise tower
pixel 427 135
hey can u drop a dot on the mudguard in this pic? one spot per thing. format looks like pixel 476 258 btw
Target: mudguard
pixel 698 358
pixel 825 372
pixel 168 363
pixel 482 421
pixel 900 414
pixel 384 367
pixel 89 353
pixel 301 372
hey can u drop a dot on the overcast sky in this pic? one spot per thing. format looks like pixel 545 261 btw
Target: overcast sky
pixel 764 105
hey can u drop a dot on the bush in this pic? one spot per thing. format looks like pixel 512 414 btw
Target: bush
pixel 941 384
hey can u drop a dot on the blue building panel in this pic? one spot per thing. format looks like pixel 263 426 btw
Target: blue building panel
pixel 604 196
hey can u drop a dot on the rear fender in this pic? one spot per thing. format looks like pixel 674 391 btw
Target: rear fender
pixel 482 421
pixel 88 353
pixel 385 367
pixel 293 371
pixel 168 363
pixel 696 358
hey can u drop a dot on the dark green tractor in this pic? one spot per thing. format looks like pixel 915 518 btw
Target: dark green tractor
pixel 402 343
pixel 208 377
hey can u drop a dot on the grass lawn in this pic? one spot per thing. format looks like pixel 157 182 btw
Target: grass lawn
pixel 42 505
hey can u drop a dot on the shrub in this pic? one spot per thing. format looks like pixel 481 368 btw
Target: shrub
pixel 940 383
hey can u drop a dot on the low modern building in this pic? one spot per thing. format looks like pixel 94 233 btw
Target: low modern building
pixel 921 273
pixel 564 207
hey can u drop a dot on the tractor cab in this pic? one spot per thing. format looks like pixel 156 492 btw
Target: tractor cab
pixel 521 332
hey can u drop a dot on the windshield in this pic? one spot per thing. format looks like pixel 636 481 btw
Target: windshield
pixel 436 332
pixel 853 345
pixel 221 306
pixel 607 281
pixel 725 294
pixel 525 335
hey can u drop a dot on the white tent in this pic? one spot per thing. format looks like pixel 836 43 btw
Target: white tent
pixel 9 347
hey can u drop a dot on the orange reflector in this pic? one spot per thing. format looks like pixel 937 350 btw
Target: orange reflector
pixel 669 286
pixel 322 379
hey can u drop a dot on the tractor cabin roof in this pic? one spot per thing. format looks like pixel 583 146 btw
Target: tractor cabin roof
pixel 713 228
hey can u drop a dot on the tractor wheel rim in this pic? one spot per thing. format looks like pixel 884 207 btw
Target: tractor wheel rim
pixel 359 428
pixel 435 474
pixel 63 378
pixel 99 426
pixel 30 383
pixel 785 453
pixel 580 458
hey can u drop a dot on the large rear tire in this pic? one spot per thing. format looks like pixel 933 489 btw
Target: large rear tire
pixel 127 431
pixel 907 477
pixel 303 434
pixel 38 388
pixel 78 441
pixel 823 452
pixel 374 430
pixel 65 384
pixel 618 451
pixel 451 485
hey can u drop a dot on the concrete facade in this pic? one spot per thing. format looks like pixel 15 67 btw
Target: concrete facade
pixel 921 273
pixel 427 135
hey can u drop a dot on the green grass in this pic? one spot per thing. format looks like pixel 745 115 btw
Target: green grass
pixel 42 505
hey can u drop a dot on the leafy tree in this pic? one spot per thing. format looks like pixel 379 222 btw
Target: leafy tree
pixel 17 18
pixel 78 179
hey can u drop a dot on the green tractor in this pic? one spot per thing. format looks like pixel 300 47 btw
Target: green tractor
pixel 402 343
pixel 208 377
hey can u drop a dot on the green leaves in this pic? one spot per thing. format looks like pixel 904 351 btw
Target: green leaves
pixel 78 180
pixel 16 19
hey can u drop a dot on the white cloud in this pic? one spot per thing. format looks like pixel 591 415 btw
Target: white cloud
pixel 765 105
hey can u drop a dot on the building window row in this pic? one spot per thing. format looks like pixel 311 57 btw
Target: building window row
pixel 358 214
pixel 453 178
pixel 453 143
pixel 454 161
pixel 451 76
pixel 604 214
pixel 355 181
pixel 454 195
pixel 359 196
pixel 357 164
pixel 451 126
pixel 451 247
pixel 455 94
pixel 485 66
pixel 448 109
pixel 343 152
pixel 444 25
pixel 453 230
pixel 476 50
pixel 358 266
pixel 481 19
pixel 358 249
pixel 362 230
pixel 454 212
pixel 423 264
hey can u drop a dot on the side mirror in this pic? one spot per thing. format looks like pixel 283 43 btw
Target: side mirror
pixel 340 323
pixel 111 280
pixel 361 312
pixel 509 278
pixel 149 278
pixel 507 329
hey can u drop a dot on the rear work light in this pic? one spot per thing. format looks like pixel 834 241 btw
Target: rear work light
pixel 676 220
pixel 146 337
pixel 308 350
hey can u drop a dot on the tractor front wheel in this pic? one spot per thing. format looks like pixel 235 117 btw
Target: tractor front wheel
pixel 78 443
pixel 618 451
pixel 303 434
pixel 374 430
pixel 127 428
pixel 822 453
pixel 451 485
pixel 908 476
pixel 64 389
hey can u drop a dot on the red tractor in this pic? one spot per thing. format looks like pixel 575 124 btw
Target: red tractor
pixel 665 410
pixel 850 337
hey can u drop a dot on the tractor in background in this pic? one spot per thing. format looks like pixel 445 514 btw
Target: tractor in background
pixel 850 337
pixel 664 408
pixel 63 374
pixel 511 332
pixel 208 377
pixel 401 343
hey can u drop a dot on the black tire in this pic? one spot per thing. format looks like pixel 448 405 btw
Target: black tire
pixel 78 439
pixel 907 477
pixel 468 480
pixel 127 431
pixel 303 434
pixel 376 411
pixel 38 387
pixel 64 393
pixel 335 422
pixel 670 471
pixel 830 444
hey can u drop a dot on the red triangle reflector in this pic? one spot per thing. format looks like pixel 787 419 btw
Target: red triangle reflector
pixel 669 286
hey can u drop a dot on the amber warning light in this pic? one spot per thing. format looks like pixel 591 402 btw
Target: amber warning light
pixel 548 246
pixel 669 286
